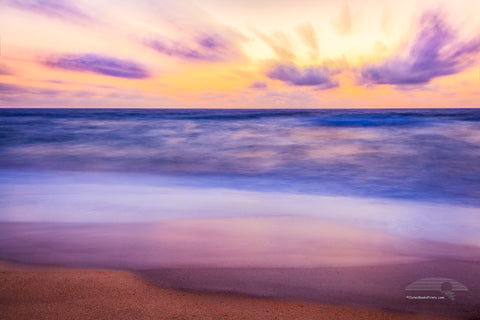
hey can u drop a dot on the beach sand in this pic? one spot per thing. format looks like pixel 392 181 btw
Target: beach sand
pixel 46 292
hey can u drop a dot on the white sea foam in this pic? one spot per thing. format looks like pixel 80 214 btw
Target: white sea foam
pixel 114 199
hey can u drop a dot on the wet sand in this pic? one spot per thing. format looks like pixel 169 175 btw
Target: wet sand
pixel 295 259
pixel 377 287
pixel 40 292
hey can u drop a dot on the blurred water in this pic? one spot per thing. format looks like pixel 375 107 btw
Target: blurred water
pixel 368 185
pixel 429 155
pixel 256 190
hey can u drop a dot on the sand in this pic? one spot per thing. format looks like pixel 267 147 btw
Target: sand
pixel 378 287
pixel 44 292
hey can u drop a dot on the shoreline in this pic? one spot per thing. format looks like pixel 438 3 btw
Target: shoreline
pixel 294 259
pixel 53 292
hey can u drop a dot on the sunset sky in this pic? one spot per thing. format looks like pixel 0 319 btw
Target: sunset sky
pixel 239 53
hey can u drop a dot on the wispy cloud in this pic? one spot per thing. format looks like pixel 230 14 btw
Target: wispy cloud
pixel 279 43
pixel 4 70
pixel 32 96
pixel 259 85
pixel 98 64
pixel 321 77
pixel 344 21
pixel 299 98
pixel 309 37
pixel 14 89
pixel 211 47
pixel 60 9
pixel 435 51
pixel 7 88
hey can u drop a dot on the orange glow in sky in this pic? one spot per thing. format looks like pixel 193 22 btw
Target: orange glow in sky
pixel 240 54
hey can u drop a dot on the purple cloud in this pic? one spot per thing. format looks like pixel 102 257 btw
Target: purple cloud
pixel 259 85
pixel 4 70
pixel 60 9
pixel 99 64
pixel 434 52
pixel 208 47
pixel 212 42
pixel 321 77
pixel 13 89
pixel 7 88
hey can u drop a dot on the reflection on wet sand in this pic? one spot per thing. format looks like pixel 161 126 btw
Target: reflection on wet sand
pixel 282 241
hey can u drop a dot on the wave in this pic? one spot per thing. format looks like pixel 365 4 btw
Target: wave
pixel 404 154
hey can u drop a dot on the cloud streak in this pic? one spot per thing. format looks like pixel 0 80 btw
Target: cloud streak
pixel 9 89
pixel 52 8
pixel 99 64
pixel 4 70
pixel 434 52
pixel 344 21
pixel 321 77
pixel 309 37
pixel 279 43
pixel 259 85
pixel 209 47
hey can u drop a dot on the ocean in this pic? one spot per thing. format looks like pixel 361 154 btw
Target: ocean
pixel 407 173
pixel 277 203
pixel 422 155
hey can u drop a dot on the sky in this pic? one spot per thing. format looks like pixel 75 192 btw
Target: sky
pixel 240 54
